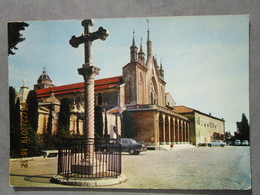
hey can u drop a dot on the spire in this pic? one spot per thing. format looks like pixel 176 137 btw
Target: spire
pixel 141 48
pixel 149 44
pixel 133 50
pixel 161 71
pixel 133 43
pixel 148 31
pixel 141 53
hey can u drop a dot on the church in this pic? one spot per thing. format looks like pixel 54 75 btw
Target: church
pixel 140 90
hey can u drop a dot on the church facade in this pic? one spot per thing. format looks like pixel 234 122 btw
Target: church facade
pixel 140 90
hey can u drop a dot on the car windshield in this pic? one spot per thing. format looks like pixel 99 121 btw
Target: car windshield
pixel 132 141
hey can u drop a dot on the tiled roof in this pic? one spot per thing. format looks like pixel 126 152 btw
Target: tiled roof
pixel 182 109
pixel 106 83
pixel 186 110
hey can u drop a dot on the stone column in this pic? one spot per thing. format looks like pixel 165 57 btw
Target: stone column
pixel 178 131
pixel 89 73
pixel 174 137
pixel 163 129
pixel 185 131
pixel 169 119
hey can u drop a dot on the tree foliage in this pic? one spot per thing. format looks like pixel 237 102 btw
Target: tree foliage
pixel 33 145
pixel 32 110
pixel 64 118
pixel 15 136
pixel 128 125
pixel 98 122
pixel 243 129
pixel 14 35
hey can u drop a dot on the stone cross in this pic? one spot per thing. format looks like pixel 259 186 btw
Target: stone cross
pixel 87 38
pixel 89 71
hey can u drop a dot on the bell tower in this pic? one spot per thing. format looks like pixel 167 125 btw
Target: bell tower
pixel 43 81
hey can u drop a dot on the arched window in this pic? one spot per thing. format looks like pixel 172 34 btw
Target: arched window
pixel 153 92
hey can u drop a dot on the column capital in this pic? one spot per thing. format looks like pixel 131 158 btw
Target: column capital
pixel 88 72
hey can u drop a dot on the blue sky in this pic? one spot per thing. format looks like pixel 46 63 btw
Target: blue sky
pixel 205 58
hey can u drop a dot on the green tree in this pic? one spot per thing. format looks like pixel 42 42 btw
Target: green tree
pixel 48 140
pixel 243 128
pixel 32 110
pixel 98 122
pixel 14 35
pixel 15 136
pixel 33 145
pixel 11 108
pixel 64 118
pixel 128 125
pixel 106 129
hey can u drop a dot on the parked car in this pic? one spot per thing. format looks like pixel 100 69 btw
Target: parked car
pixel 245 143
pixel 237 142
pixel 127 145
pixel 216 143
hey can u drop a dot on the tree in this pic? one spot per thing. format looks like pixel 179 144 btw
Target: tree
pixel 64 118
pixel 106 129
pixel 98 122
pixel 33 145
pixel 32 110
pixel 243 129
pixel 48 140
pixel 11 107
pixel 14 35
pixel 15 136
pixel 128 125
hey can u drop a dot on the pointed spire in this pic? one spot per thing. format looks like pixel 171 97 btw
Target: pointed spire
pixel 148 30
pixel 149 44
pixel 161 68
pixel 133 50
pixel 141 48
pixel 133 43
pixel 141 53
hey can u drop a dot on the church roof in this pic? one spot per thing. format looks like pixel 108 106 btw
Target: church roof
pixel 106 83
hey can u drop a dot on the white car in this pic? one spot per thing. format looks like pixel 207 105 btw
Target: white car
pixel 216 143
pixel 237 142
pixel 245 143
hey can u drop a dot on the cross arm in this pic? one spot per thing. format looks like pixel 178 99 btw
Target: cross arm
pixel 100 34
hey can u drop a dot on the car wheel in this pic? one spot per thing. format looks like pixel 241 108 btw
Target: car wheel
pixel 209 145
pixel 132 151
pixel 136 153
pixel 222 145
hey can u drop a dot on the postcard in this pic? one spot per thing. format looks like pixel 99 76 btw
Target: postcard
pixel 130 103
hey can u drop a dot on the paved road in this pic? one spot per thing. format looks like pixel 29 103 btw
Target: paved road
pixel 191 168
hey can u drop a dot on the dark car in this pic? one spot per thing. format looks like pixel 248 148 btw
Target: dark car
pixel 127 145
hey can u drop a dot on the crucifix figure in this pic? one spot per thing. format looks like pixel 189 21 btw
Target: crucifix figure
pixel 89 71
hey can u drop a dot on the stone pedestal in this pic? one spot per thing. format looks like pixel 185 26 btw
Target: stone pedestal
pixel 89 168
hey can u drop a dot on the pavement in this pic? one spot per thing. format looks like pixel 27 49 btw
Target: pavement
pixel 187 168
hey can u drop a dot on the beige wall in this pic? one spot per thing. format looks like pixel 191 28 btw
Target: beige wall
pixel 206 126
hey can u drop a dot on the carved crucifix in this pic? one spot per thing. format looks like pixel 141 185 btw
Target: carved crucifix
pixel 87 38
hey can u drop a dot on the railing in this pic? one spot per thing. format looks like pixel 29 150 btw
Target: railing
pixel 154 107
pixel 89 158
